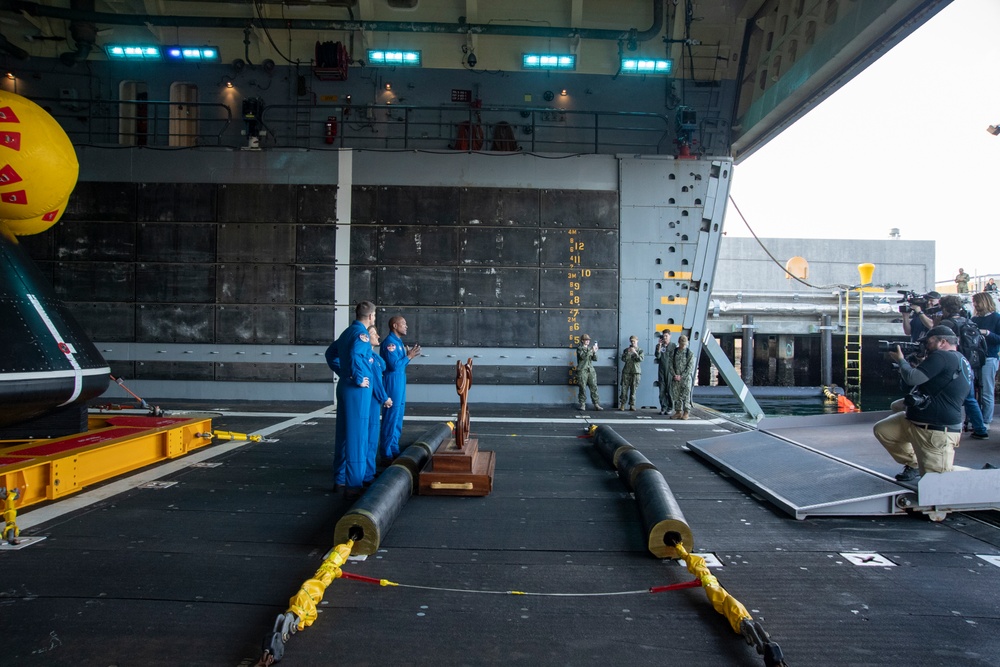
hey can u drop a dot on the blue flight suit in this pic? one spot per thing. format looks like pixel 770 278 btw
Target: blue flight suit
pixel 333 361
pixel 394 353
pixel 353 404
pixel 379 397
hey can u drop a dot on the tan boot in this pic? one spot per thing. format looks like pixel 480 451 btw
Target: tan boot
pixel 686 415
pixel 676 415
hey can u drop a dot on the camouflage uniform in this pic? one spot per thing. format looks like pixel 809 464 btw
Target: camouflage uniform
pixel 663 359
pixel 631 373
pixel 683 364
pixel 586 376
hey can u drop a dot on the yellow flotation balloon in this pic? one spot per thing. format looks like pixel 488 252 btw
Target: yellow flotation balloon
pixel 38 166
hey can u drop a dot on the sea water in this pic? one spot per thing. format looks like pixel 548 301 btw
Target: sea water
pixel 797 406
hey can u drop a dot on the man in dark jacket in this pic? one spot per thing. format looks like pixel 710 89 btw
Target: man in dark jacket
pixel 954 316
pixel 923 438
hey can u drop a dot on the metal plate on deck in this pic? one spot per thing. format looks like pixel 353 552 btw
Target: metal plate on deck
pixel 800 481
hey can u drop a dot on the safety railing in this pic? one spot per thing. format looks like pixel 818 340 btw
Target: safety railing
pixel 154 123
pixel 316 126
pixel 506 129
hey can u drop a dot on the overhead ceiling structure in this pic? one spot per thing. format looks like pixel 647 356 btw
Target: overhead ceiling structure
pixel 785 56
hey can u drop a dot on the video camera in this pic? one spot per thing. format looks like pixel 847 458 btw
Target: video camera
pixel 906 347
pixel 911 298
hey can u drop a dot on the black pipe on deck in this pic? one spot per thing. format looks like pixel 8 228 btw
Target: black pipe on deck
pixel 662 519
pixel 371 517
pixel 630 463
pixel 415 457
pixel 610 444
pixel 663 522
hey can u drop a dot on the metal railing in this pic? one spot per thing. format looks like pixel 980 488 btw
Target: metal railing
pixel 141 122
pixel 465 128
pixel 158 123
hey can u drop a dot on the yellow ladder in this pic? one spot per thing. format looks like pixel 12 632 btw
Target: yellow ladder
pixel 853 325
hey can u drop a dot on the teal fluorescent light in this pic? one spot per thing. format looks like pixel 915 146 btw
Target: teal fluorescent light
pixel 646 66
pixel 132 52
pixel 548 61
pixel 384 58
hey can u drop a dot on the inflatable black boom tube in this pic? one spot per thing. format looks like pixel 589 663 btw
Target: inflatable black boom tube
pixel 371 517
pixel 415 457
pixel 662 519
pixel 610 444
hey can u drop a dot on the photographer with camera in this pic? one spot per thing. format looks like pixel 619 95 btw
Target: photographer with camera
pixel 921 310
pixel 924 437
pixel 586 375
pixel 632 357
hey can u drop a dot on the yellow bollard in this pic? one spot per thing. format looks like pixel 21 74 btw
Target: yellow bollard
pixel 866 271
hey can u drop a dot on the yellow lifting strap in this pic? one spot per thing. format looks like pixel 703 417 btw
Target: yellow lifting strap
pixel 723 602
pixel 10 514
pixel 303 604
pixel 230 435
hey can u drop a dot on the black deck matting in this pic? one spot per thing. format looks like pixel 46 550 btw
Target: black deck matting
pixel 195 574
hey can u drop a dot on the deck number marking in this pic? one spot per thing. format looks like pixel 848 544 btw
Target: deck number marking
pixel 868 559
pixel 157 485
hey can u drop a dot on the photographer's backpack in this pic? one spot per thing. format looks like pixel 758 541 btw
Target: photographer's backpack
pixel 971 342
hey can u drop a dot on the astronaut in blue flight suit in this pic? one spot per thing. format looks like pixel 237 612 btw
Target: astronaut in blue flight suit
pixel 333 361
pixel 339 462
pixel 354 396
pixel 380 399
pixel 397 356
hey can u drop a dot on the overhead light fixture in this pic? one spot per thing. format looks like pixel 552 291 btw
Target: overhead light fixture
pixel 132 52
pixel 203 54
pixel 383 58
pixel 548 61
pixel 646 66
pixel 563 93
pixel 10 75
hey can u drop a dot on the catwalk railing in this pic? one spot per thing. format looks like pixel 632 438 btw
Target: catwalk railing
pixel 166 124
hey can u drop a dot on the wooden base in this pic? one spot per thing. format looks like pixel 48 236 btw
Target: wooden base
pixel 458 472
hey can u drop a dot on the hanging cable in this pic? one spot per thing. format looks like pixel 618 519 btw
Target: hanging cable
pixel 775 259
pixel 263 24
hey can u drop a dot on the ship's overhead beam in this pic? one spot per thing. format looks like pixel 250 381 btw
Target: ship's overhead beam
pixel 782 57
pixel 796 53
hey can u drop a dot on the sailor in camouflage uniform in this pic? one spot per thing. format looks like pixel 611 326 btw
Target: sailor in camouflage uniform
pixel 681 374
pixel 586 375
pixel 664 356
pixel 632 357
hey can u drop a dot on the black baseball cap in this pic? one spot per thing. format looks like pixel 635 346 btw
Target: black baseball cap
pixel 940 331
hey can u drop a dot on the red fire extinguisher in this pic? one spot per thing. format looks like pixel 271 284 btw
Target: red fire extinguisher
pixel 331 129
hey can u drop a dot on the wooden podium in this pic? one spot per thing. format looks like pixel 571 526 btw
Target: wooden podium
pixel 458 467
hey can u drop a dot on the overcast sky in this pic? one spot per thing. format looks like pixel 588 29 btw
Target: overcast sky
pixel 904 144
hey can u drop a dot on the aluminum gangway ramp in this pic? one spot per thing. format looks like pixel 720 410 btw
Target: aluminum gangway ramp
pixel 809 466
